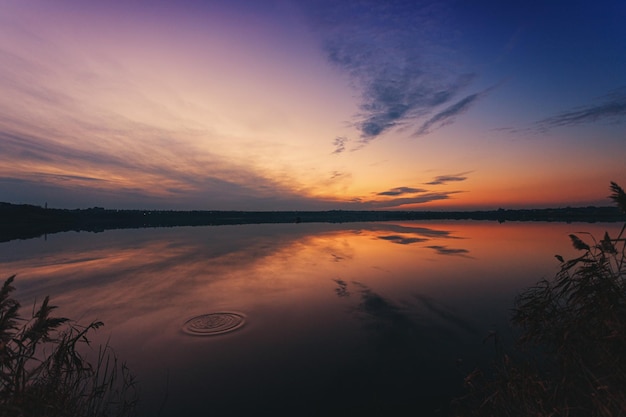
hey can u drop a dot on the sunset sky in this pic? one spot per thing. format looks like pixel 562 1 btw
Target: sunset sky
pixel 312 104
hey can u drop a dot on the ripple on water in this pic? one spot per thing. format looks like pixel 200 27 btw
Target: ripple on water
pixel 214 323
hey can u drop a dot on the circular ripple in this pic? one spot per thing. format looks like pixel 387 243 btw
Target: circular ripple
pixel 214 323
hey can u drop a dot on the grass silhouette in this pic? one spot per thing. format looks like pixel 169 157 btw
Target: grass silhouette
pixel 570 356
pixel 44 374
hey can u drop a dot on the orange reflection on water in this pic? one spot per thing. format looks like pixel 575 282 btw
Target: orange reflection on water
pixel 190 267
pixel 308 291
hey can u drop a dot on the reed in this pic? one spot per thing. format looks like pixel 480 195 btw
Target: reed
pixel 43 370
pixel 570 356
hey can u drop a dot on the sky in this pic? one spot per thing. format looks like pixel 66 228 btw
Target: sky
pixel 312 104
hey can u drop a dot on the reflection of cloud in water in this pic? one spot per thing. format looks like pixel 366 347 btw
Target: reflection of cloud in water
pixel 342 288
pixel 418 231
pixel 149 270
pixel 407 235
pixel 445 314
pixel 424 321
pixel 444 250
pixel 337 258
pixel 401 240
pixel 415 347
pixel 385 318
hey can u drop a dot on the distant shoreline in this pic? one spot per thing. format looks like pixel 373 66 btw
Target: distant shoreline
pixel 23 221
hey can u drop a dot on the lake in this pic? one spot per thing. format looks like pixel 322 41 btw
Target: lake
pixel 346 319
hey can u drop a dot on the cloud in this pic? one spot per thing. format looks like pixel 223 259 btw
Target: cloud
pixel 612 107
pixel 399 56
pixel 447 115
pixel 408 195
pixel 71 176
pixel 428 197
pixel 340 144
pixel 443 179
pixel 336 180
pixel 58 141
pixel 401 190
pixel 391 102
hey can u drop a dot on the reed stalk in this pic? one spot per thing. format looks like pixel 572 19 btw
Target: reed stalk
pixel 43 370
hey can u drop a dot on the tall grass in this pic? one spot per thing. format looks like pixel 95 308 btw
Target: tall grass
pixel 43 371
pixel 570 357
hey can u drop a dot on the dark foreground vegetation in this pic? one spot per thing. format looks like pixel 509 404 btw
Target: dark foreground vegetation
pixel 43 372
pixel 23 221
pixel 570 356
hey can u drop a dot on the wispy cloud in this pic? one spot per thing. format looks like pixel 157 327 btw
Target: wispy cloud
pixel 59 142
pixel 447 115
pixel 612 107
pixel 443 179
pixel 95 174
pixel 398 55
pixel 392 102
pixel 401 191
pixel 340 144
pixel 420 198
pixel 405 196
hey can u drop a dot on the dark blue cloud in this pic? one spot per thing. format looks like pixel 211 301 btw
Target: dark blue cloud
pixel 442 179
pixel 419 198
pixel 612 108
pixel 447 115
pixel 388 103
pixel 401 190
pixel 399 56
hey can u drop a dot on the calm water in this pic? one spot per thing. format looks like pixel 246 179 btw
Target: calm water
pixel 349 319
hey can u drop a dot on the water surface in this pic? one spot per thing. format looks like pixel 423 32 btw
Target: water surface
pixel 360 318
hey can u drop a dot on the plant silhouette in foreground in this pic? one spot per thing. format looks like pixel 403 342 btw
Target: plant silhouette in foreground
pixel 571 356
pixel 43 374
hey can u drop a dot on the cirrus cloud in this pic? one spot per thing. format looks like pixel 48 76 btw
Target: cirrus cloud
pixel 398 56
pixel 611 107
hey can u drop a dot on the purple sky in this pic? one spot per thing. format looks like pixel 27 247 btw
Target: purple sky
pixel 311 104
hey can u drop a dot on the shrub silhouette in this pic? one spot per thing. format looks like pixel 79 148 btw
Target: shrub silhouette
pixel 570 357
pixel 43 373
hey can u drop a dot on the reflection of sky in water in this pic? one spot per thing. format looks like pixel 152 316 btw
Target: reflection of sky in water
pixel 353 316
